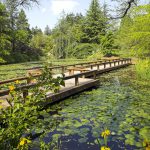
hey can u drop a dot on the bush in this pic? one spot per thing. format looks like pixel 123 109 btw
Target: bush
pixel 25 117
pixel 96 56
pixel 143 68
pixel 84 50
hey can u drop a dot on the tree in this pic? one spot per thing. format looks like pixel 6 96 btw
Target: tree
pixel 22 29
pixel 13 13
pixel 4 34
pixel 94 24
pixel 65 38
pixel 24 3
pixel 124 7
pixel 47 30
pixel 36 31
pixel 134 33
pixel 107 45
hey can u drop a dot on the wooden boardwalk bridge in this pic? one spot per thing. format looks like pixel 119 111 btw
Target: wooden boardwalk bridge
pixel 77 78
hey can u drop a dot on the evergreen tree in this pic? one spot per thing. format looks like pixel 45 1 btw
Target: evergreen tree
pixel 22 22
pixel 4 34
pixel 22 28
pixel 47 30
pixel 36 31
pixel 94 24
pixel 13 13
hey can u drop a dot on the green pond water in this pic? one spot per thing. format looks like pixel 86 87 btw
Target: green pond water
pixel 120 104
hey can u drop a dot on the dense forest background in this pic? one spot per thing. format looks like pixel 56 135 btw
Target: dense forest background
pixel 75 36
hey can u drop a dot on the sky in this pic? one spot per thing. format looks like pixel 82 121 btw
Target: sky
pixel 49 11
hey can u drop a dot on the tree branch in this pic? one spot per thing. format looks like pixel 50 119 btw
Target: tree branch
pixel 126 10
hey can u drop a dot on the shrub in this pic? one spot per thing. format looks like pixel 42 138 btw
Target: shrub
pixel 25 117
pixel 143 68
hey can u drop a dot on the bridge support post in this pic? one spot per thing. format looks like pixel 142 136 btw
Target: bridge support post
pixel 94 75
pixel 76 81
pixel 122 62
pixel 114 63
pixel 104 65
pixel 63 69
pixel 29 80
pixel 97 66
pixel 50 69
pixel 110 64
pixel 91 67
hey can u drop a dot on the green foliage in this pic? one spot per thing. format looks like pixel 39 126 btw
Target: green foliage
pixel 94 24
pixel 134 34
pixel 25 117
pixel 107 45
pixel 4 37
pixel 47 30
pixel 77 35
pixel 67 34
pixel 15 35
pixel 143 69
pixel 96 56
pixel 84 50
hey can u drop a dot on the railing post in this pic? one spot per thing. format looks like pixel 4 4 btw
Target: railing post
pixel 114 63
pixel 25 93
pixel 50 69
pixel 63 69
pixel 97 66
pixel 91 67
pixel 29 80
pixel 118 62
pixel 110 64
pixel 122 62
pixel 76 81
pixel 130 61
pixel 104 65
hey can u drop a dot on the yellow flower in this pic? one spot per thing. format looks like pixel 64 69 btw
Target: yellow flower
pixel 17 81
pixel 105 148
pixel 24 141
pixel 11 88
pixel 34 81
pixel 105 133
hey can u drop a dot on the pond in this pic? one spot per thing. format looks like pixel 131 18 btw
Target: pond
pixel 120 104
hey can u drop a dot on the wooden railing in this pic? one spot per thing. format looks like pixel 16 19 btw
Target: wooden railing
pixel 63 68
pixel 93 73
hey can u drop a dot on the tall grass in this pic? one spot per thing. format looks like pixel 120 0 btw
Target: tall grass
pixel 143 68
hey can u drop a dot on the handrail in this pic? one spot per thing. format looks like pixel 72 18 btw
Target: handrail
pixel 56 67
pixel 27 86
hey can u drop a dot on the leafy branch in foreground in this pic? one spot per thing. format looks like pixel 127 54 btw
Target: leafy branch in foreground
pixel 25 119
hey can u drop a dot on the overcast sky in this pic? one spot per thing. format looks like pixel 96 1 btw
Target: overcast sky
pixel 48 12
